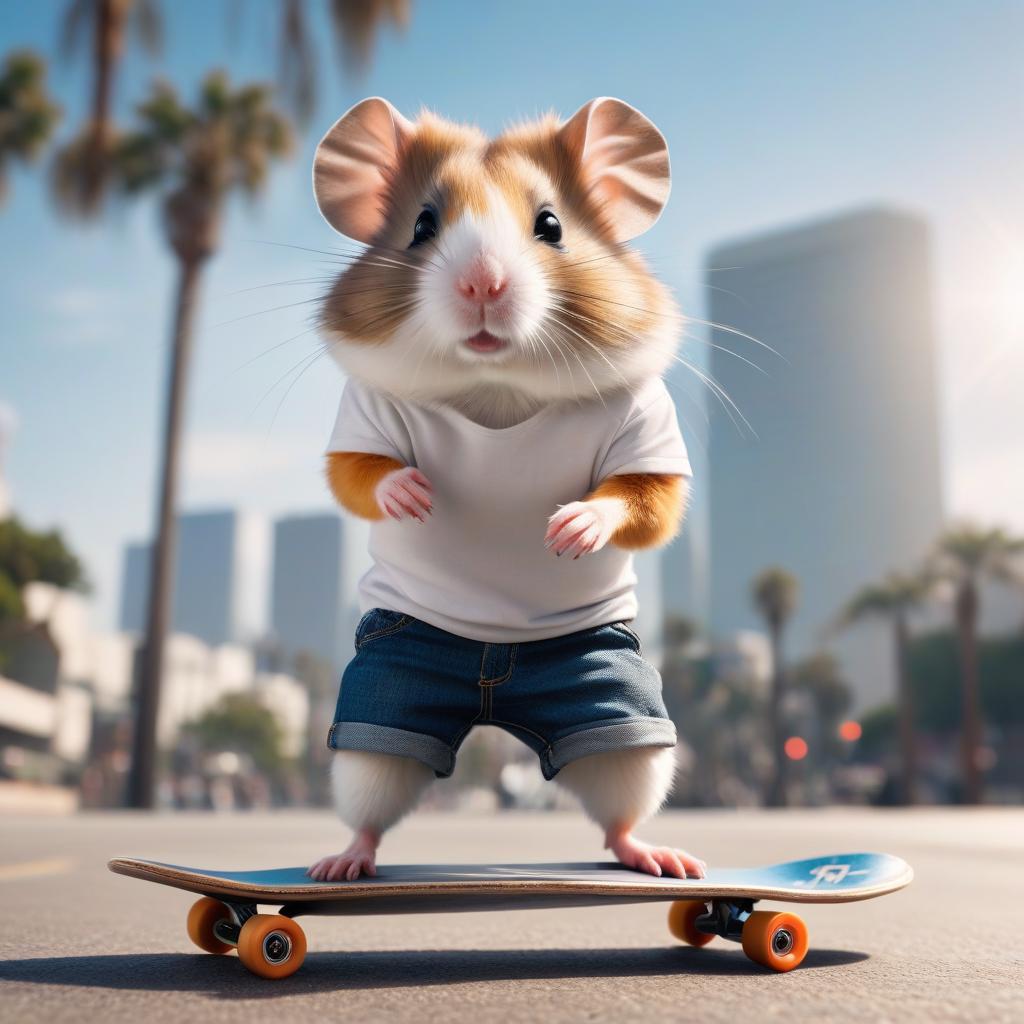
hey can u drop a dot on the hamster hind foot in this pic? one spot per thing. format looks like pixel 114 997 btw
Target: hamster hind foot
pixel 618 790
pixel 372 792
pixel 655 860
pixel 358 858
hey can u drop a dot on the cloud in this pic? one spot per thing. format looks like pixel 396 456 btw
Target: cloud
pixel 85 315
pixel 226 457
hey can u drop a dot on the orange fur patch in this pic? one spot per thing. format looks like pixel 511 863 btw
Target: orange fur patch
pixel 655 504
pixel 353 477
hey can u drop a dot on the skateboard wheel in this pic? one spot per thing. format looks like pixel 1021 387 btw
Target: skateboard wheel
pixel 775 940
pixel 271 945
pixel 205 913
pixel 682 922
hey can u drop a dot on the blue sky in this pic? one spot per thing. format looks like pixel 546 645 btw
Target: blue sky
pixel 774 112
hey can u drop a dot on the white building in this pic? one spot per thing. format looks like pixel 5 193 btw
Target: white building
pixel 69 673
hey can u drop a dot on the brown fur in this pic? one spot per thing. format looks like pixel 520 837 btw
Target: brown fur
pixel 606 296
pixel 352 478
pixel 654 507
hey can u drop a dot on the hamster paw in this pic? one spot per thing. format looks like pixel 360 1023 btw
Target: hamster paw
pixel 404 492
pixel 582 527
pixel 359 859
pixel 655 860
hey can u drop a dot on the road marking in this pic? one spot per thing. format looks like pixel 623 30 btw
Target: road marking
pixel 35 869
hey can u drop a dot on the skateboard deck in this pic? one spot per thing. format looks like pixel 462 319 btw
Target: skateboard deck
pixel 720 904
pixel 440 888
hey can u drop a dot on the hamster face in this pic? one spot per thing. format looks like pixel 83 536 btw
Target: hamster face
pixel 495 270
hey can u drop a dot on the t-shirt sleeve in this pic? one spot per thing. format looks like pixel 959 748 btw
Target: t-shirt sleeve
pixel 368 422
pixel 649 441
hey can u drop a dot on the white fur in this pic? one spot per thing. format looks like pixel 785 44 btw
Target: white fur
pixel 425 359
pixel 622 787
pixel 375 791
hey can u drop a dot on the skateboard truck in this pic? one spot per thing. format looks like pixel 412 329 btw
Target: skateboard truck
pixel 725 918
pixel 228 929
pixel 774 939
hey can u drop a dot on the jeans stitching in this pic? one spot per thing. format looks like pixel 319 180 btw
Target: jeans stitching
pixel 497 681
pixel 623 630
pixel 515 725
pixel 386 631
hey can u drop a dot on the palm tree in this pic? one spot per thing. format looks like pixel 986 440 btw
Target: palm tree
pixel 193 158
pixel 895 598
pixel 774 593
pixel 965 555
pixel 100 27
pixel 27 114
pixel 355 24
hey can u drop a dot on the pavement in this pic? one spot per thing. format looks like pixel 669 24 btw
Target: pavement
pixel 80 944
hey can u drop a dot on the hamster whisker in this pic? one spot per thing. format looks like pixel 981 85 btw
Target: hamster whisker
pixel 586 341
pixel 388 309
pixel 273 309
pixel 727 351
pixel 558 348
pixel 537 338
pixel 621 329
pixel 596 259
pixel 572 349
pixel 317 356
pixel 295 281
pixel 719 392
pixel 671 383
pixel 738 333
pixel 273 348
pixel 394 313
pixel 310 356
pixel 337 256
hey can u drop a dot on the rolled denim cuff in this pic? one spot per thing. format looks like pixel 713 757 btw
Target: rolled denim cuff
pixel 383 739
pixel 602 737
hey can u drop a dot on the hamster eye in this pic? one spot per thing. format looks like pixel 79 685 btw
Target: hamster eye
pixel 426 227
pixel 547 228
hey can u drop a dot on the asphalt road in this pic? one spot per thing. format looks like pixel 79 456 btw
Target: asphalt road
pixel 80 944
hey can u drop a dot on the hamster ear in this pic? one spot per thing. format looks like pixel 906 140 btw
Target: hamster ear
pixel 352 166
pixel 624 162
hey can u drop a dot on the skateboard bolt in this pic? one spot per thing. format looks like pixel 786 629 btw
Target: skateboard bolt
pixel 782 941
pixel 276 947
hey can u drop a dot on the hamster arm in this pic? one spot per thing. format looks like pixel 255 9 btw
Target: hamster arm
pixel 352 477
pixel 654 502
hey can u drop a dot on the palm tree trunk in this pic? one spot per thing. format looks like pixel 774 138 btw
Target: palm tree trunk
pixel 142 785
pixel 970 682
pixel 108 42
pixel 908 738
pixel 777 793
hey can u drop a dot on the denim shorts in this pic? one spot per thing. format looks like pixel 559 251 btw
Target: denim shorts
pixel 415 691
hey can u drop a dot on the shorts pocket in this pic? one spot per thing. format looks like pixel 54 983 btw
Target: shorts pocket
pixel 624 630
pixel 378 623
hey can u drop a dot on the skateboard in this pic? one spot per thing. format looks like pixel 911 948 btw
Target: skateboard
pixel 722 904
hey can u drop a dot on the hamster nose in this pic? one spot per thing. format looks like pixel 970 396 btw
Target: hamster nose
pixel 483 281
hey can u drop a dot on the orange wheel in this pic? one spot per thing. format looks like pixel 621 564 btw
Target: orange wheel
pixel 682 922
pixel 271 945
pixel 775 940
pixel 205 913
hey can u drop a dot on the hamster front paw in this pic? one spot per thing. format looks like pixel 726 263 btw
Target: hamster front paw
pixel 582 527
pixel 404 492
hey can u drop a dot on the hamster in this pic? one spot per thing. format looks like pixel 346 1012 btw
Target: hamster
pixel 505 428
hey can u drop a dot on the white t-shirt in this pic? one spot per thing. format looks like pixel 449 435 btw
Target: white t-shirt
pixel 478 566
